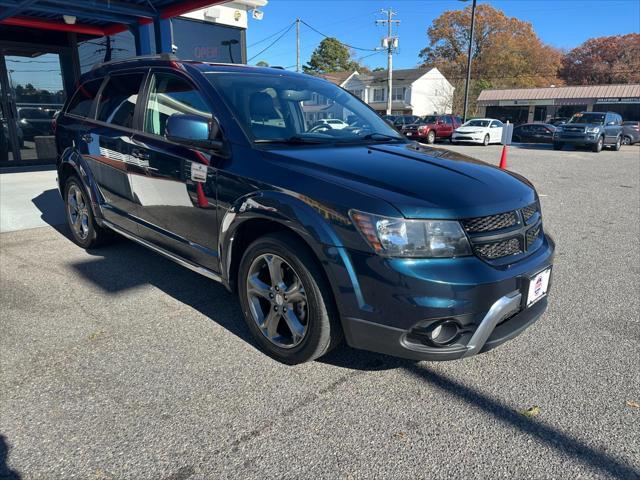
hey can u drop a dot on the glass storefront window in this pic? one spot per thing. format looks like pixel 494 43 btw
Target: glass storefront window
pixel 207 42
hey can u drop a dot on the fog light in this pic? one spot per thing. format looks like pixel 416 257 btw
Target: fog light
pixel 444 332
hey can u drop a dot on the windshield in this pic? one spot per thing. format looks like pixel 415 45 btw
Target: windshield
pixel 477 123
pixel 298 109
pixel 427 119
pixel 593 118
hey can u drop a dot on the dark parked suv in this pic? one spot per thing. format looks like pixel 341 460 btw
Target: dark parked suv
pixel 590 129
pixel 352 232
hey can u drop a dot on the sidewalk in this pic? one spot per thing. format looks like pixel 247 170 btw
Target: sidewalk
pixel 29 199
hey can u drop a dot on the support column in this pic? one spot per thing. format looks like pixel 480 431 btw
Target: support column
pixel 142 34
pixel 163 34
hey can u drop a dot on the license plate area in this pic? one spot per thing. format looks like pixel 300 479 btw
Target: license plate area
pixel 536 287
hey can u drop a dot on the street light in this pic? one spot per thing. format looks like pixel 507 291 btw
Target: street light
pixel 466 85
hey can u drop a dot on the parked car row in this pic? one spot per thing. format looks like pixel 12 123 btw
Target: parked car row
pixel 594 130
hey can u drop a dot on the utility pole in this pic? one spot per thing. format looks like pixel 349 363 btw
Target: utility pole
pixel 466 85
pixel 390 42
pixel 297 45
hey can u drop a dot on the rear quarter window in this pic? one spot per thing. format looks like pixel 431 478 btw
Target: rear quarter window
pixel 84 97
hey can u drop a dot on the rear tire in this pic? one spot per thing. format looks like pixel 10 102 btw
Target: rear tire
pixel 627 140
pixel 618 144
pixel 84 229
pixel 272 267
pixel 431 137
pixel 558 145
pixel 485 142
pixel 597 147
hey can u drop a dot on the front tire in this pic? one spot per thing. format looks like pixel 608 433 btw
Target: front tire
pixel 485 142
pixel 286 301
pixel 597 147
pixel 84 229
pixel 431 137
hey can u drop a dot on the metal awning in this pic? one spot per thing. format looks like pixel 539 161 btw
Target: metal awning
pixel 94 17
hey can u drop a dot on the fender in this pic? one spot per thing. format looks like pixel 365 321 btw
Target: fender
pixel 309 219
pixel 74 159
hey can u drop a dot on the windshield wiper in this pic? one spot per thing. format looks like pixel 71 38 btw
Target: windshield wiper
pixel 293 140
pixel 381 137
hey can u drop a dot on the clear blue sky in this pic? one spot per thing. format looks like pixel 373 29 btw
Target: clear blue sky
pixel 561 23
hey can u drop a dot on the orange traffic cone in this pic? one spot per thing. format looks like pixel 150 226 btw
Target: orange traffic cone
pixel 503 158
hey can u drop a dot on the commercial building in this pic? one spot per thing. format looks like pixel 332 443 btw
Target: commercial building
pixel 524 105
pixel 45 45
pixel 415 91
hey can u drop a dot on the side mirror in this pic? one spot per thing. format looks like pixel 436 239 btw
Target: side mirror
pixel 194 131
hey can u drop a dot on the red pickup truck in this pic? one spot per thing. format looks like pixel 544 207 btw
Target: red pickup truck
pixel 432 127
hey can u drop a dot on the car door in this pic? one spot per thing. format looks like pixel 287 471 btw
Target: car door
pixel 445 128
pixel 611 128
pixel 495 131
pixel 177 194
pixel 108 146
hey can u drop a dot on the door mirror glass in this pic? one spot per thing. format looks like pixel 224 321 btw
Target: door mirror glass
pixel 192 130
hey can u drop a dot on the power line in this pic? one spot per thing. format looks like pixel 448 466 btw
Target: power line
pixel 342 43
pixel 270 36
pixel 272 43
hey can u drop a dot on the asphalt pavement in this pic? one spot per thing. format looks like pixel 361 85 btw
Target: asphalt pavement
pixel 118 364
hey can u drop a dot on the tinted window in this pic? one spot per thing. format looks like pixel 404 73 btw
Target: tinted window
pixel 171 95
pixel 83 99
pixel 33 114
pixel 447 120
pixel 118 100
pixel 593 118
pixel 477 123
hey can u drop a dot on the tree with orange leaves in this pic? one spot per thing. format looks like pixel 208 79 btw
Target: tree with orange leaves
pixel 506 52
pixel 614 59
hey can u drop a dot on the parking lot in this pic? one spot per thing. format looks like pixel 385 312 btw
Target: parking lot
pixel 118 364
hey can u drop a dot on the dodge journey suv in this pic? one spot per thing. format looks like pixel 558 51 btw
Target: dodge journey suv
pixel 354 233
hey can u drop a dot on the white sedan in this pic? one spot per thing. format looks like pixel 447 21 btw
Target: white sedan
pixel 328 124
pixel 479 130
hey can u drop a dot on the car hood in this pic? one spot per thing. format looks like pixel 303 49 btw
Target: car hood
pixel 421 182
pixel 581 125
pixel 470 129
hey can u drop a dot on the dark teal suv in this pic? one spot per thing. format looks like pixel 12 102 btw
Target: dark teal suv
pixel 325 234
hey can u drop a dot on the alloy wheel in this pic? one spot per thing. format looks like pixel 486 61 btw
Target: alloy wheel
pixel 626 140
pixel 78 212
pixel 277 300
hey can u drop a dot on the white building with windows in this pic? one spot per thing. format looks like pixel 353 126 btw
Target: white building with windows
pixel 415 91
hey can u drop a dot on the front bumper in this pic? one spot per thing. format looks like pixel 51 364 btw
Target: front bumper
pixel 400 298
pixel 469 137
pixel 586 139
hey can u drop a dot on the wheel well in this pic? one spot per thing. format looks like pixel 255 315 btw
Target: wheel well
pixel 250 231
pixel 65 172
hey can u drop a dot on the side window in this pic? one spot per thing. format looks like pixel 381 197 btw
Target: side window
pixel 118 99
pixel 447 120
pixel 82 101
pixel 171 95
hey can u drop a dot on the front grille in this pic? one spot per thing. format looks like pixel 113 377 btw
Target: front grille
pixel 573 129
pixel 491 222
pixel 532 235
pixel 504 248
pixel 504 234
pixel 527 212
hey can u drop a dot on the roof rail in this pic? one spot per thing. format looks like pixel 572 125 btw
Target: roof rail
pixel 159 56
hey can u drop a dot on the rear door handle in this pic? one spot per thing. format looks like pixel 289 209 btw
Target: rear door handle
pixel 87 138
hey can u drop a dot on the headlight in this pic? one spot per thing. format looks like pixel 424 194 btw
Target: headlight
pixel 397 237
pixel 593 129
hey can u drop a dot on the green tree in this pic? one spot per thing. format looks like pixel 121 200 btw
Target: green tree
pixel 262 63
pixel 614 59
pixel 330 56
pixel 506 51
